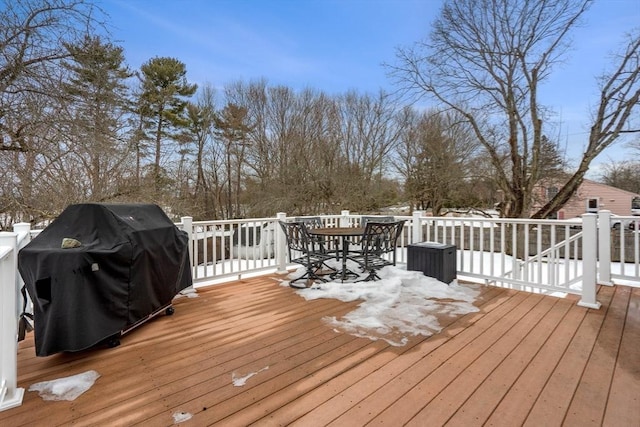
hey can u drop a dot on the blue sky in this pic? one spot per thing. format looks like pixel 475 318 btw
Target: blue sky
pixel 338 45
pixel 325 44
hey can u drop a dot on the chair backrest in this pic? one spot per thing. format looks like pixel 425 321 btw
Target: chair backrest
pixel 380 238
pixel 365 219
pixel 310 221
pixel 317 243
pixel 298 238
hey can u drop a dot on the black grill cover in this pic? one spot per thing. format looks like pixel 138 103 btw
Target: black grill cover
pixel 132 262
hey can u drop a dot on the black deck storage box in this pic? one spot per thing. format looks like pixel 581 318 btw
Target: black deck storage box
pixel 434 259
pixel 128 263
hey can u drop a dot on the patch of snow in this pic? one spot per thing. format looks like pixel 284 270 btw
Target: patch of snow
pixel 179 417
pixel 402 304
pixel 188 292
pixel 67 388
pixel 240 381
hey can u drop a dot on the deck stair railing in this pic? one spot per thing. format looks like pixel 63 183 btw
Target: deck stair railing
pixel 557 263
pixel 530 255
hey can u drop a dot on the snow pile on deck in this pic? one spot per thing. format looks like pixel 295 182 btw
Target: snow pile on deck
pixel 180 417
pixel 402 304
pixel 239 381
pixel 67 388
pixel 188 292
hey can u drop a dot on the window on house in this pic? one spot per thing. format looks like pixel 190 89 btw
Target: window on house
pixel 635 206
pixel 592 205
pixel 551 192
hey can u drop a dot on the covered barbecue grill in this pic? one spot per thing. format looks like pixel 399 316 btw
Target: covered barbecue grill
pixel 121 265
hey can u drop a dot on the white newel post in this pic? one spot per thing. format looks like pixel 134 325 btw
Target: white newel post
pixel 589 258
pixel 10 395
pixel 187 227
pixel 23 229
pixel 604 248
pixel 417 227
pixel 344 219
pixel 281 245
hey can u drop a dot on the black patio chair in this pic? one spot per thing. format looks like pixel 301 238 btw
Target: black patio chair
pixel 365 219
pixel 322 243
pixel 378 247
pixel 299 244
pixel 310 221
pixel 318 243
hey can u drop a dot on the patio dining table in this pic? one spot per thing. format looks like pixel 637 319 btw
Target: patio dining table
pixel 344 233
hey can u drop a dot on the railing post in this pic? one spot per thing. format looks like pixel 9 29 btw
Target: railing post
pixel 10 395
pixel 604 248
pixel 187 227
pixel 417 227
pixel 589 258
pixel 344 219
pixel 281 245
pixel 23 229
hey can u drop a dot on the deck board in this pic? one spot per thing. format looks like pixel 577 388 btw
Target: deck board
pixel 456 393
pixel 358 382
pixel 623 404
pixel 522 359
pixel 596 379
pixel 552 403
pixel 444 378
pixel 495 386
pixel 407 393
pixel 516 404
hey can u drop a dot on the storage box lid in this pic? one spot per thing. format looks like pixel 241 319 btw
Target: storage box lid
pixel 435 245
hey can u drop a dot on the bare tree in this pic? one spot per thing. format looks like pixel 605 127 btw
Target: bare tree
pixel 32 37
pixel 486 59
pixel 288 149
pixel 624 175
pixel 33 146
pixel 268 110
pixel 434 157
pixel 369 132
pixel 617 113
pixel 313 153
pixel 232 128
pixel 201 128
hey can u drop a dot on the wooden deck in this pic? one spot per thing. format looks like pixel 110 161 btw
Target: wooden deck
pixel 524 359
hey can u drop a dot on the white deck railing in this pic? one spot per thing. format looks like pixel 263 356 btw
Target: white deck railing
pixel 619 251
pixel 541 255
pixel 10 306
pixel 531 255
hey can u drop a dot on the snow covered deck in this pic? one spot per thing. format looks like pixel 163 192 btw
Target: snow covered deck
pixel 254 351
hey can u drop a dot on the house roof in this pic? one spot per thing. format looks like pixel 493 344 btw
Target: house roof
pixel 599 184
